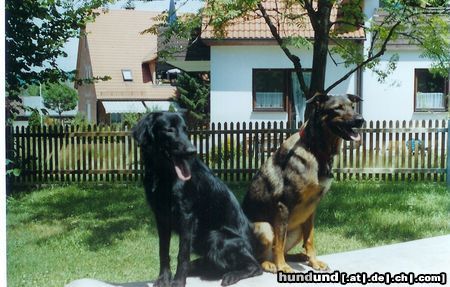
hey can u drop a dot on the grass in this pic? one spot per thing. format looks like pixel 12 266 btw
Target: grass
pixel 61 233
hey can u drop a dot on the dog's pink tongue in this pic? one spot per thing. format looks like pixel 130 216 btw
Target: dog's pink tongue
pixel 182 172
pixel 356 137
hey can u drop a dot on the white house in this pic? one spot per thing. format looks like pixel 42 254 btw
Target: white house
pixel 410 92
pixel 251 77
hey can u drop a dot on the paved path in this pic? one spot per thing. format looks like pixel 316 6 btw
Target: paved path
pixel 425 256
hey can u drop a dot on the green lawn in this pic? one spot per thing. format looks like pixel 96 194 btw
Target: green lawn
pixel 61 233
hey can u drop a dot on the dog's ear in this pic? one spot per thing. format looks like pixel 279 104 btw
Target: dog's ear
pixel 318 98
pixel 354 98
pixel 143 131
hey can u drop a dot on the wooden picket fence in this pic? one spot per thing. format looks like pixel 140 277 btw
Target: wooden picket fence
pixel 235 151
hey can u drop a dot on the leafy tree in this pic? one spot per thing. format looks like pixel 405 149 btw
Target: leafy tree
pixel 31 91
pixel 194 97
pixel 409 19
pixel 130 119
pixel 36 32
pixel 35 119
pixel 59 98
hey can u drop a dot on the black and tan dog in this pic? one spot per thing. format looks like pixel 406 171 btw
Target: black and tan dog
pixel 284 194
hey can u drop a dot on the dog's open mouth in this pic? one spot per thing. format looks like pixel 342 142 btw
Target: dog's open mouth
pixel 182 169
pixel 354 135
pixel 349 133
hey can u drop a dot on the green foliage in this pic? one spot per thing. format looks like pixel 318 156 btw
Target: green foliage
pixel 35 119
pixel 49 121
pixel 297 42
pixel 425 28
pixel 172 108
pixel 176 35
pixel 36 32
pixel 31 91
pixel 154 108
pixel 194 97
pixel 130 119
pixel 417 3
pixel 79 120
pixel 436 46
pixel 59 97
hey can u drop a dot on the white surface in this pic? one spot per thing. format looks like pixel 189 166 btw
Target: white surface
pixel 231 80
pixel 112 107
pixel 394 99
pixel 426 256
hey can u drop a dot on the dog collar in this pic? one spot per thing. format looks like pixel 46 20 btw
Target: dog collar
pixel 301 132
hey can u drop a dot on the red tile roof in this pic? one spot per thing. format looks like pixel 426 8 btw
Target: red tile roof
pixel 254 27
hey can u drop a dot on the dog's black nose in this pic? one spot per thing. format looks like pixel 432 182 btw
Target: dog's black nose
pixel 359 121
pixel 191 150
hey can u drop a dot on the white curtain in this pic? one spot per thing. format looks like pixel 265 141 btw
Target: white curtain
pixel 430 100
pixel 269 100
pixel 299 97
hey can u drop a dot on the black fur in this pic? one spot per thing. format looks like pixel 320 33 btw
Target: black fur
pixel 197 205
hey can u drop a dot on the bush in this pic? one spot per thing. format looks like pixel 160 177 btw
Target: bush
pixel 130 119
pixel 79 120
pixel 225 153
pixel 35 119
pixel 194 97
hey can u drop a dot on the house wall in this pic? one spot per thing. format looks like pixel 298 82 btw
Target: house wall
pixel 231 80
pixel 394 98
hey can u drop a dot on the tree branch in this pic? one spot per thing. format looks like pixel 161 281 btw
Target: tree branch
pixel 294 59
pixel 368 60
pixel 311 13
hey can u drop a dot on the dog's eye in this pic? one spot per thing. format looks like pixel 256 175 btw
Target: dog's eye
pixel 169 130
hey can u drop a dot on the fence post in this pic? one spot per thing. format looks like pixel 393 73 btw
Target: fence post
pixel 448 154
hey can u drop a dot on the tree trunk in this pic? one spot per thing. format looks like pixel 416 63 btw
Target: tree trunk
pixel 321 25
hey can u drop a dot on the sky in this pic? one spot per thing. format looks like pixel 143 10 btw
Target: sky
pixel 69 63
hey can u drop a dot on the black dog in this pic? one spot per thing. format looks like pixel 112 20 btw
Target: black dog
pixel 186 196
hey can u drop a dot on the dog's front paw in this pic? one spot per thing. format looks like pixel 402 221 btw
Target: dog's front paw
pixel 285 268
pixel 318 265
pixel 163 280
pixel 269 267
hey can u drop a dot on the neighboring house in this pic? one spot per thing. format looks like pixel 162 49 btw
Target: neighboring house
pixel 114 46
pixel 251 77
pixel 36 102
pixel 411 92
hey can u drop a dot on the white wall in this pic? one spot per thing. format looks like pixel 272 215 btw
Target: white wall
pixel 231 80
pixel 394 99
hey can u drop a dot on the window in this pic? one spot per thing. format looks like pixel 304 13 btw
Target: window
pixel 88 111
pixel 146 73
pixel 127 75
pixel 270 90
pixel 430 91
pixel 115 118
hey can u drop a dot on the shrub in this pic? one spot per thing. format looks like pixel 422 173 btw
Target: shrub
pixel 35 119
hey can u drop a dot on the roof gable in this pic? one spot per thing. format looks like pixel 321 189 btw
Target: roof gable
pixel 115 43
